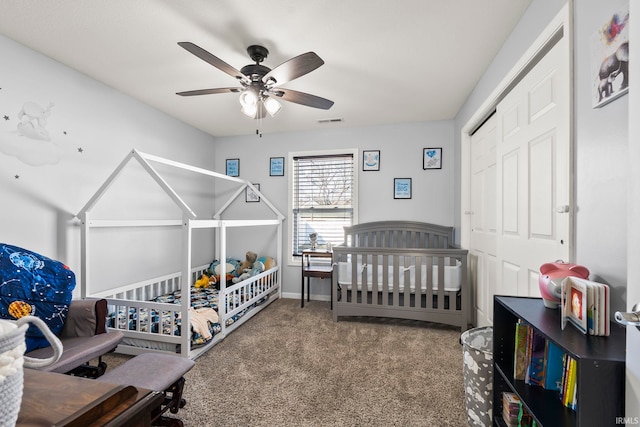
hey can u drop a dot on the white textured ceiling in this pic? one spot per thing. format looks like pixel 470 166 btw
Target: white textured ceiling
pixel 385 61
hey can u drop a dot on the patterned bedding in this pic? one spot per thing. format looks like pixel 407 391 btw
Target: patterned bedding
pixel 152 320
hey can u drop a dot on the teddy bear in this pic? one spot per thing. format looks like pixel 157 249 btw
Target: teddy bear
pixel 247 264
pixel 256 268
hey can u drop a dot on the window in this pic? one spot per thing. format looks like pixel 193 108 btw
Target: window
pixel 323 197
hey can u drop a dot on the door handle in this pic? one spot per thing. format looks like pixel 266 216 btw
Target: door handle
pixel 631 318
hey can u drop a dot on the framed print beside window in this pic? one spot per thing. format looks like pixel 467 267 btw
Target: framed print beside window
pixel 432 158
pixel 276 166
pixel 371 160
pixel 233 167
pixel 250 196
pixel 402 188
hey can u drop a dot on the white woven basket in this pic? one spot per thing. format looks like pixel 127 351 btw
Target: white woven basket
pixel 12 349
pixel 12 361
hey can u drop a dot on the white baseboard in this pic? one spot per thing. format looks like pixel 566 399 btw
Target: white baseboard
pixel 296 295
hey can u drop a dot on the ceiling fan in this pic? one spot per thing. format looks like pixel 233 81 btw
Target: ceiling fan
pixel 260 86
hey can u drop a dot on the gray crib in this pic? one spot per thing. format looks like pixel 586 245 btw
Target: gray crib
pixel 401 269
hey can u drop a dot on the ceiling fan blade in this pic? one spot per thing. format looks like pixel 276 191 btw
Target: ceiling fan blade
pixel 215 61
pixel 302 98
pixel 293 68
pixel 210 91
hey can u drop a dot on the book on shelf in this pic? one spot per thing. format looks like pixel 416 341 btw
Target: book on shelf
pixel 535 373
pixel 585 305
pixel 520 354
pixel 569 392
pixel 510 408
pixel 540 362
pixel 554 359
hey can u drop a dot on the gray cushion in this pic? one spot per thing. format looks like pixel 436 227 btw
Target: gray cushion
pixel 78 351
pixel 153 371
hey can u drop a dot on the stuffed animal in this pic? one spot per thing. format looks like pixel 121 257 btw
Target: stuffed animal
pixel 551 276
pixel 256 268
pixel 207 279
pixel 268 262
pixel 247 264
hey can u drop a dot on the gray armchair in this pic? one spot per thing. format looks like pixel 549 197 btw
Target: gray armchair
pixel 84 338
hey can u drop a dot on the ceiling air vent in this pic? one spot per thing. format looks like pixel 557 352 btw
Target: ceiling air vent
pixel 336 120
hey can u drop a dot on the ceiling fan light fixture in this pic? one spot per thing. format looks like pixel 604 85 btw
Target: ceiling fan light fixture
pixel 249 99
pixel 272 106
pixel 250 110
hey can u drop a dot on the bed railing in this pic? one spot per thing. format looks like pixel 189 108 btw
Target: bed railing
pixel 131 311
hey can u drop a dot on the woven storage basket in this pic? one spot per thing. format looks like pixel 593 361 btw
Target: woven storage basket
pixel 12 347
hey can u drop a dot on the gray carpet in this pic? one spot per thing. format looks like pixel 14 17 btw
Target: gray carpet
pixel 296 367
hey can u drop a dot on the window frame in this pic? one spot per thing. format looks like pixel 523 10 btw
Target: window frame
pixel 296 260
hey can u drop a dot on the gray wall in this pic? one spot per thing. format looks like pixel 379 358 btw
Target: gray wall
pixel 601 138
pixel 38 208
pixel 400 146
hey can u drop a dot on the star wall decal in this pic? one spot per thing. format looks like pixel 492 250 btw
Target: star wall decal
pixel 6 117
pixel 17 176
pixel 80 150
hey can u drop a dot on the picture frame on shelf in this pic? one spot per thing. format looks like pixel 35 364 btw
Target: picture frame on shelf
pixel 402 188
pixel 432 158
pixel 371 160
pixel 233 167
pixel 276 166
pixel 250 196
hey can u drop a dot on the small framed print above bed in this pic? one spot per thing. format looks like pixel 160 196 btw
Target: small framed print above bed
pixel 402 188
pixel 250 195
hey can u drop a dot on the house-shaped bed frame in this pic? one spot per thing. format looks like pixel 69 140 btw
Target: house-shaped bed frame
pixel 131 305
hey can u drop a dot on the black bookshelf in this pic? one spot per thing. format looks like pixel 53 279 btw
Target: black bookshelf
pixel 600 361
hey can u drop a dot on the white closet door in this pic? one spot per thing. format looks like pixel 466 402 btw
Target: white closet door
pixel 534 174
pixel 483 204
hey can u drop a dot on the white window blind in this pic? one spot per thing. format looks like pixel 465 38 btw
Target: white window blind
pixel 323 199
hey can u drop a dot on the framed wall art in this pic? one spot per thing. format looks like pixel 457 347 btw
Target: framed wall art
pixel 276 166
pixel 402 188
pixel 233 167
pixel 250 196
pixel 371 160
pixel 432 158
pixel 610 59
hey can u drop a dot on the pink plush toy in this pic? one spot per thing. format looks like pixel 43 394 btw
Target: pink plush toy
pixel 551 276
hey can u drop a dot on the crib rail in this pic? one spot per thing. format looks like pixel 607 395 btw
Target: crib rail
pixel 419 284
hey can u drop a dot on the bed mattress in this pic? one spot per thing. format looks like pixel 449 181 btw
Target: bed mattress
pixel 452 276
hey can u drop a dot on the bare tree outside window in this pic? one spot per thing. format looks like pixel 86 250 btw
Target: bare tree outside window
pixel 323 199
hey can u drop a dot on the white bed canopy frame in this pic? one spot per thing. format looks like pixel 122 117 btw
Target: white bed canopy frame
pixel 188 223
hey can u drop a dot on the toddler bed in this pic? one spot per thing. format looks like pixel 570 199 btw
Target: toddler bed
pixel 170 313
pixel 401 269
pixel 149 313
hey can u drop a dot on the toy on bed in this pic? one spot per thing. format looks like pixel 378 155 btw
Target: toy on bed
pixel 206 280
pixel 252 266
pixel 32 284
pixel 231 267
